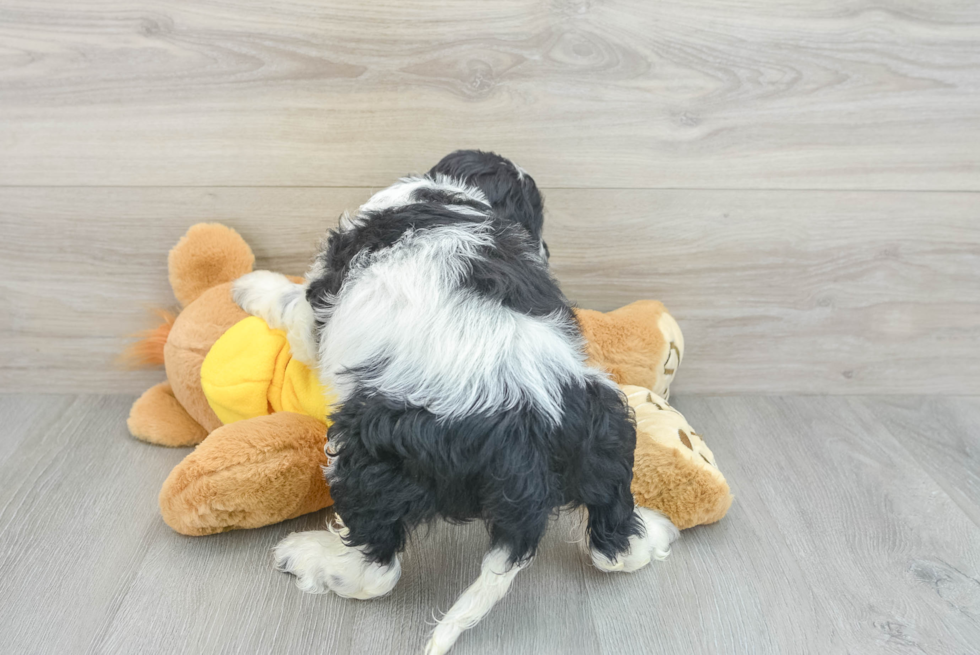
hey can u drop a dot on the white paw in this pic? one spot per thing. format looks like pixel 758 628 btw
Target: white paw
pixel 655 544
pixel 320 561
pixel 260 292
pixel 282 304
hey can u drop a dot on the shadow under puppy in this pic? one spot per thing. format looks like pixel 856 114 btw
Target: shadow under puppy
pixel 464 392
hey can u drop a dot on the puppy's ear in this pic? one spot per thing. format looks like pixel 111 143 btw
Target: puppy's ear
pixel 511 192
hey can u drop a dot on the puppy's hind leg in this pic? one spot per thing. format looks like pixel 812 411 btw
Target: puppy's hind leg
pixel 282 304
pixel 322 562
pixel 517 507
pixel 651 542
pixel 621 537
pixel 379 502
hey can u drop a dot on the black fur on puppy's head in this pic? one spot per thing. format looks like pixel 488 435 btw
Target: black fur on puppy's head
pixel 511 192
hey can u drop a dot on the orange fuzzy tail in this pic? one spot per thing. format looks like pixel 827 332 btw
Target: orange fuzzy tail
pixel 147 351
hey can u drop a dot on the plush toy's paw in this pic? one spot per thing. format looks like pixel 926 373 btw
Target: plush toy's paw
pixel 674 471
pixel 248 474
pixel 675 353
pixel 321 561
pixel 157 417
pixel 659 533
pixel 637 344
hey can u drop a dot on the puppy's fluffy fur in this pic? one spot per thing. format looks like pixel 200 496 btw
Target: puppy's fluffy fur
pixel 463 387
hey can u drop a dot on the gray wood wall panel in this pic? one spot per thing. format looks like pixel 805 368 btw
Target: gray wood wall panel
pixel 776 291
pixel 666 134
pixel 623 93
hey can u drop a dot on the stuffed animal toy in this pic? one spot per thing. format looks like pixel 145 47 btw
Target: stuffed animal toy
pixel 259 417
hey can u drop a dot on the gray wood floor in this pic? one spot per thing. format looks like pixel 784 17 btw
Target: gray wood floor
pixel 855 529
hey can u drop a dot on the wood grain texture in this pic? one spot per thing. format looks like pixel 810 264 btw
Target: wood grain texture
pixel 622 93
pixel 942 434
pixel 838 542
pixel 80 267
pixel 776 291
pixel 27 420
pixel 889 557
pixel 77 516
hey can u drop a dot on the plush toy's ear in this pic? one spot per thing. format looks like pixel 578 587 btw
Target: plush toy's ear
pixel 208 255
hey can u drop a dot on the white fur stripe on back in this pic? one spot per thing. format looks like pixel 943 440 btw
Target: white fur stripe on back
pixel 440 345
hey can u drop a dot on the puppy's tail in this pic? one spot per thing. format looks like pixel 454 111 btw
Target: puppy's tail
pixel 476 602
pixel 147 350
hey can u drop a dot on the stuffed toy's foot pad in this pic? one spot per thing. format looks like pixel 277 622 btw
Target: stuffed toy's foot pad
pixel 247 474
pixel 674 471
pixel 157 417
pixel 322 562
pixel 659 533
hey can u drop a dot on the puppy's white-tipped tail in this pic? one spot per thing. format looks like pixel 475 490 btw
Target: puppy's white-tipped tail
pixel 496 574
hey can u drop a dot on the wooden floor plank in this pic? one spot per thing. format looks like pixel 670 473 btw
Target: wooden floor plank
pixel 77 515
pixel 24 419
pixel 943 435
pixel 889 557
pixel 622 93
pixel 837 542
pixel 242 605
pixel 731 587
pixel 777 292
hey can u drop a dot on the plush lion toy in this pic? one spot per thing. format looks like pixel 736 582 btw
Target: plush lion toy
pixel 259 417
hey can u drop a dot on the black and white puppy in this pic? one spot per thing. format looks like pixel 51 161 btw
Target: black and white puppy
pixel 463 389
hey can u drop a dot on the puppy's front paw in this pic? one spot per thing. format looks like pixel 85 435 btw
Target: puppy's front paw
pixel 654 544
pixel 282 305
pixel 260 293
pixel 321 561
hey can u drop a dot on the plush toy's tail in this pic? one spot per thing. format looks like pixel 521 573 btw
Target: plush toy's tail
pixel 147 350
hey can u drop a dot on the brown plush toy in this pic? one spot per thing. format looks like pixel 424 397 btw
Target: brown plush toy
pixel 258 417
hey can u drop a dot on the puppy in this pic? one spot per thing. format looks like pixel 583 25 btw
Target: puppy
pixel 464 391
